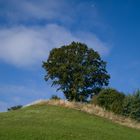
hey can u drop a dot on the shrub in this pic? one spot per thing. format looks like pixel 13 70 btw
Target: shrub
pixel 111 99
pixel 55 97
pixel 127 105
pixel 131 106
pixel 14 108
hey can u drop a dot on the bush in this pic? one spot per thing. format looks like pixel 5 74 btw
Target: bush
pixel 131 106
pixel 111 100
pixel 55 97
pixel 14 108
pixel 127 105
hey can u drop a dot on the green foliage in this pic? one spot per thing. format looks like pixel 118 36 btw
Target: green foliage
pixel 131 106
pixel 55 97
pixel 77 70
pixel 15 108
pixel 115 101
pixel 111 100
pixel 127 105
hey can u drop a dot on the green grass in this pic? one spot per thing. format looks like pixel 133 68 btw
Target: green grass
pixel 59 123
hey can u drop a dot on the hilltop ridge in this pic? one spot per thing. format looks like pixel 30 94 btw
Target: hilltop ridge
pixel 90 109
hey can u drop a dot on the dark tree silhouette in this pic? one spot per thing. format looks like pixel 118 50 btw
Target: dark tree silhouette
pixel 77 69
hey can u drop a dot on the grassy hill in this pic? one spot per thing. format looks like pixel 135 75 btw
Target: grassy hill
pixel 47 122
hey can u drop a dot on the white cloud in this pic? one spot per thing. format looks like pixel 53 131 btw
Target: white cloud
pixel 24 46
pixel 21 46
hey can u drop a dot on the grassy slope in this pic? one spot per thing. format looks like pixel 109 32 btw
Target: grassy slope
pixel 59 123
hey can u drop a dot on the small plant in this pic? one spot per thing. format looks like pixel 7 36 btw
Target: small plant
pixel 55 97
pixel 14 108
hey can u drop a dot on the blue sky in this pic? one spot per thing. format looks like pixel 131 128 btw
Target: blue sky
pixel 29 29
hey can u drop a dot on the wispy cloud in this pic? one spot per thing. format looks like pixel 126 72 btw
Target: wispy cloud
pixel 26 46
pixel 25 9
pixel 3 106
pixel 68 13
pixel 25 42
pixel 20 94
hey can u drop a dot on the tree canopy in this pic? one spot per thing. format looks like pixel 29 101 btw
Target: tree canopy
pixel 77 70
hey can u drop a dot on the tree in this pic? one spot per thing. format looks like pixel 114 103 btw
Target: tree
pixel 77 70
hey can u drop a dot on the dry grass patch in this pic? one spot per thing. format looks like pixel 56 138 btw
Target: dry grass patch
pixel 91 109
